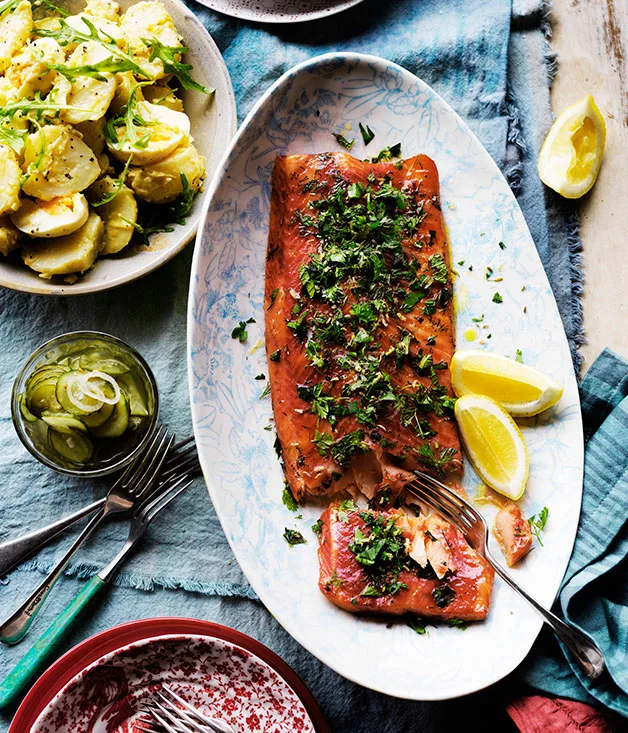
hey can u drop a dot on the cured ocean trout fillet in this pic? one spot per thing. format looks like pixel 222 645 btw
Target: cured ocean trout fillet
pixel 388 562
pixel 359 323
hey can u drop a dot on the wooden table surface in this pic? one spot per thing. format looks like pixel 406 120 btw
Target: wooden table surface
pixel 591 38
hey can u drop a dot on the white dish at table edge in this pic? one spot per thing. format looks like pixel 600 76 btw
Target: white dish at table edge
pixel 213 124
pixel 278 11
pixel 242 472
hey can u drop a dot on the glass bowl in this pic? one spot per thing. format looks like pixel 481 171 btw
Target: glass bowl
pixel 82 348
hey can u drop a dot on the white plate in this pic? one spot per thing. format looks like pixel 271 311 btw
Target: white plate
pixel 279 11
pixel 298 115
pixel 214 123
pixel 218 678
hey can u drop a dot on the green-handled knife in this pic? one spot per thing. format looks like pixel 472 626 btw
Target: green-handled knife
pixel 16 684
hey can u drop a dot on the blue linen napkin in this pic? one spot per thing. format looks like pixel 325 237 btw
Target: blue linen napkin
pixel 594 592
pixel 185 567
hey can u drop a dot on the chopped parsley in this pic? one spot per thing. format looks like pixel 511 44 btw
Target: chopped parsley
pixel 519 356
pixel 537 523
pixel 497 298
pixel 367 134
pixel 380 548
pixel 342 140
pixel 417 624
pixel 240 332
pixel 294 537
pixel 443 595
pixel 260 377
pixel 342 449
pixel 386 154
pixel 346 506
pixel 275 356
pixel 501 245
pixel 457 623
pixel 435 459
pixel 288 498
pixel 317 527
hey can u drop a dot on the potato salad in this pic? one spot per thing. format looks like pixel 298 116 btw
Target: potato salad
pixel 95 146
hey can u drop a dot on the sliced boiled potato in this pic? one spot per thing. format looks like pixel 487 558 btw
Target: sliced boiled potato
pixel 58 163
pixel 16 26
pixel 146 20
pixel 161 182
pixel 89 97
pixel 54 218
pixel 165 130
pixel 10 178
pixel 9 236
pixel 102 24
pixel 162 94
pixel 29 70
pixel 73 253
pixel 107 9
pixel 92 132
pixel 119 214
pixel 125 84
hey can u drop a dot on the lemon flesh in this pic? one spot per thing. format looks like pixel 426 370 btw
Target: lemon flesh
pixel 571 155
pixel 519 389
pixel 494 444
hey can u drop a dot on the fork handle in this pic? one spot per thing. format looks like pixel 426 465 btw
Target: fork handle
pixel 16 626
pixel 13 552
pixel 586 651
pixel 28 669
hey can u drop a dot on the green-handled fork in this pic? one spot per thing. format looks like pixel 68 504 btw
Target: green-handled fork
pixel 15 685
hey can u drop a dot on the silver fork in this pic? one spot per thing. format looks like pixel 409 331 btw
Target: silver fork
pixel 18 549
pixel 135 482
pixel 472 524
pixel 37 658
pixel 173 719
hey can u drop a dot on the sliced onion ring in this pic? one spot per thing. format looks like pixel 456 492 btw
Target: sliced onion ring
pixel 92 406
pixel 90 390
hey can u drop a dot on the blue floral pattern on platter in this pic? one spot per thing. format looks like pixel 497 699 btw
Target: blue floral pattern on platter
pixel 298 114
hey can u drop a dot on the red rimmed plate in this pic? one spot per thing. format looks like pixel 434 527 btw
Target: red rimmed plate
pixel 77 659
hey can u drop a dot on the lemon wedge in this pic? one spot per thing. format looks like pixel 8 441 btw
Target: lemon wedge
pixel 519 389
pixel 494 444
pixel 571 155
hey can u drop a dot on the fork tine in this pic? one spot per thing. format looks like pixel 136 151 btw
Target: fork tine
pixel 183 443
pixel 445 502
pixel 150 473
pixel 137 466
pixel 177 712
pixel 420 493
pixel 177 718
pixel 179 464
pixel 442 488
pixel 214 723
pixel 160 499
pixel 165 724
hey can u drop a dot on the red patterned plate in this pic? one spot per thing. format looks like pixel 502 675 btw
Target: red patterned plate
pixel 227 675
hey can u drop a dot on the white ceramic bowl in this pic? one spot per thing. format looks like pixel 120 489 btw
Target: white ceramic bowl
pixel 214 123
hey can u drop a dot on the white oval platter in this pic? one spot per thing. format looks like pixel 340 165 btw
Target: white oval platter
pixel 298 114
pixel 279 11
pixel 213 124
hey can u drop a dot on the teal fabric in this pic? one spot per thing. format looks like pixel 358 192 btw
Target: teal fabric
pixel 498 81
pixel 594 593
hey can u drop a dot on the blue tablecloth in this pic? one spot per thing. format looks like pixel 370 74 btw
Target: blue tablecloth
pixel 491 63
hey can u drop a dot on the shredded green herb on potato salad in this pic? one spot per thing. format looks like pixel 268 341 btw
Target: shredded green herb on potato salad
pixel 95 145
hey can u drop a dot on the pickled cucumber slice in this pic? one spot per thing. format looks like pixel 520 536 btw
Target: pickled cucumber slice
pixel 117 423
pixel 74 446
pixel 62 422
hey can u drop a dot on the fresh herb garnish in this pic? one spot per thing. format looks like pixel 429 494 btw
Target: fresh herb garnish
pixel 240 332
pixel 367 134
pixel 109 65
pixel 386 154
pixel 457 623
pixel 66 35
pixel 264 393
pixel 537 523
pixel 342 449
pixel 118 184
pixel 342 140
pixel 275 356
pixel 381 550
pixel 346 506
pixel 417 624
pixel 497 298
pixel 427 455
pixel 443 595
pixel 519 356
pixel 288 498
pixel 294 537
pixel 501 245
pixel 169 56
pixel 317 527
